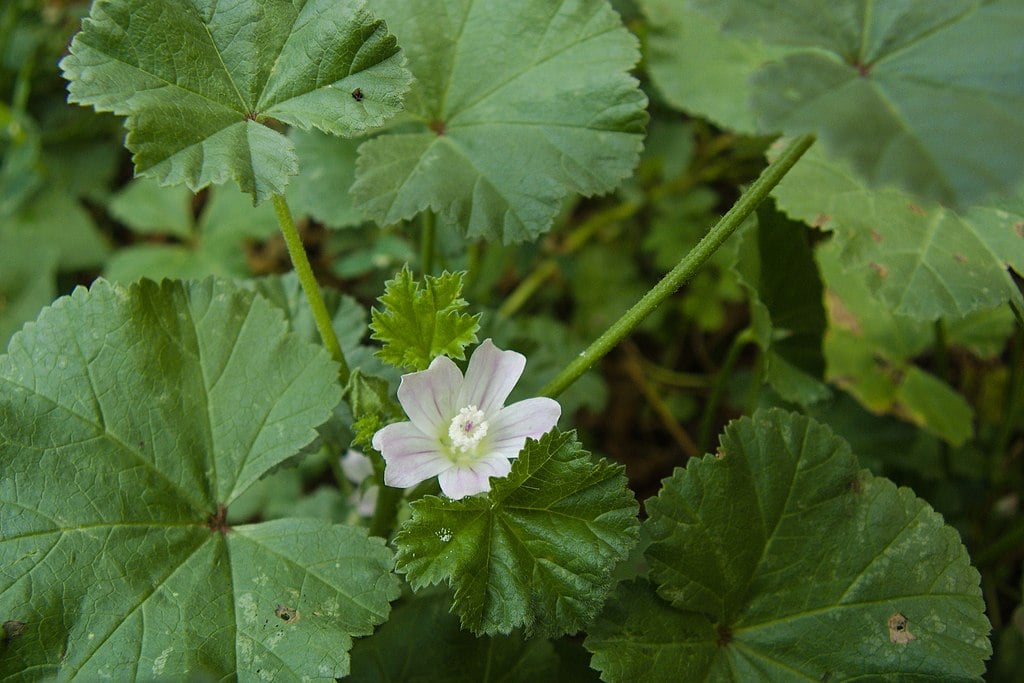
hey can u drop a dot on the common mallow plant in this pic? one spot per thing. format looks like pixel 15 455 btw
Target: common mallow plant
pixel 459 429
pixel 138 420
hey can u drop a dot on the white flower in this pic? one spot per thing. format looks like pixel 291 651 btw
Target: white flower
pixel 460 430
pixel 358 468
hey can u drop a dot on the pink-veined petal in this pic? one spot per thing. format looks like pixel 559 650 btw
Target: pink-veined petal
pixel 513 424
pixel 410 456
pixel 428 396
pixel 490 377
pixel 465 480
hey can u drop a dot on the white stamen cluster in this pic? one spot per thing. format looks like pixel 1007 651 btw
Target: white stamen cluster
pixel 467 428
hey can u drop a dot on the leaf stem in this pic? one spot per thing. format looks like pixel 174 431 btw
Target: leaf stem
pixel 300 261
pixel 428 237
pixel 685 269
pixel 707 420
pixel 23 85
pixel 386 510
pixel 526 288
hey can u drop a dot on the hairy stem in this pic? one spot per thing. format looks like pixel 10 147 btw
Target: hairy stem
pixel 307 279
pixel 685 269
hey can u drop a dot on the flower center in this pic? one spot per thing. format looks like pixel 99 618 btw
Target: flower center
pixel 467 428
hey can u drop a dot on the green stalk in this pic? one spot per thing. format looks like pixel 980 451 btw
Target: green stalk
pixel 386 511
pixel 522 293
pixel 309 285
pixel 684 270
pixel 23 85
pixel 707 420
pixel 427 239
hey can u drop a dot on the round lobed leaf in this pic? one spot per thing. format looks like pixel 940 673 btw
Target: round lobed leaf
pixel 509 120
pixel 777 560
pixel 922 261
pixel 130 419
pixel 536 552
pixel 422 642
pixel 923 94
pixel 201 92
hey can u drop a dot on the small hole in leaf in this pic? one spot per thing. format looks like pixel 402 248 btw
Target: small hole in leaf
pixel 899 630
pixel 357 94
pixel 288 614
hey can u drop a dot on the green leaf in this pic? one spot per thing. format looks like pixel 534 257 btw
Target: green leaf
pixel 348 317
pixel 370 251
pixel 515 106
pixel 28 274
pixel 159 261
pixel 641 637
pixel 777 560
pixel 228 219
pixel 147 208
pixel 423 642
pixel 213 245
pixel 55 218
pixel 922 94
pixel 327 169
pixel 21 171
pixel 420 322
pixel 603 285
pixel 777 266
pixel 537 551
pixel 130 420
pixel 369 395
pixel 869 352
pixel 699 69
pixel 200 93
pixel 283 493
pixel 922 261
